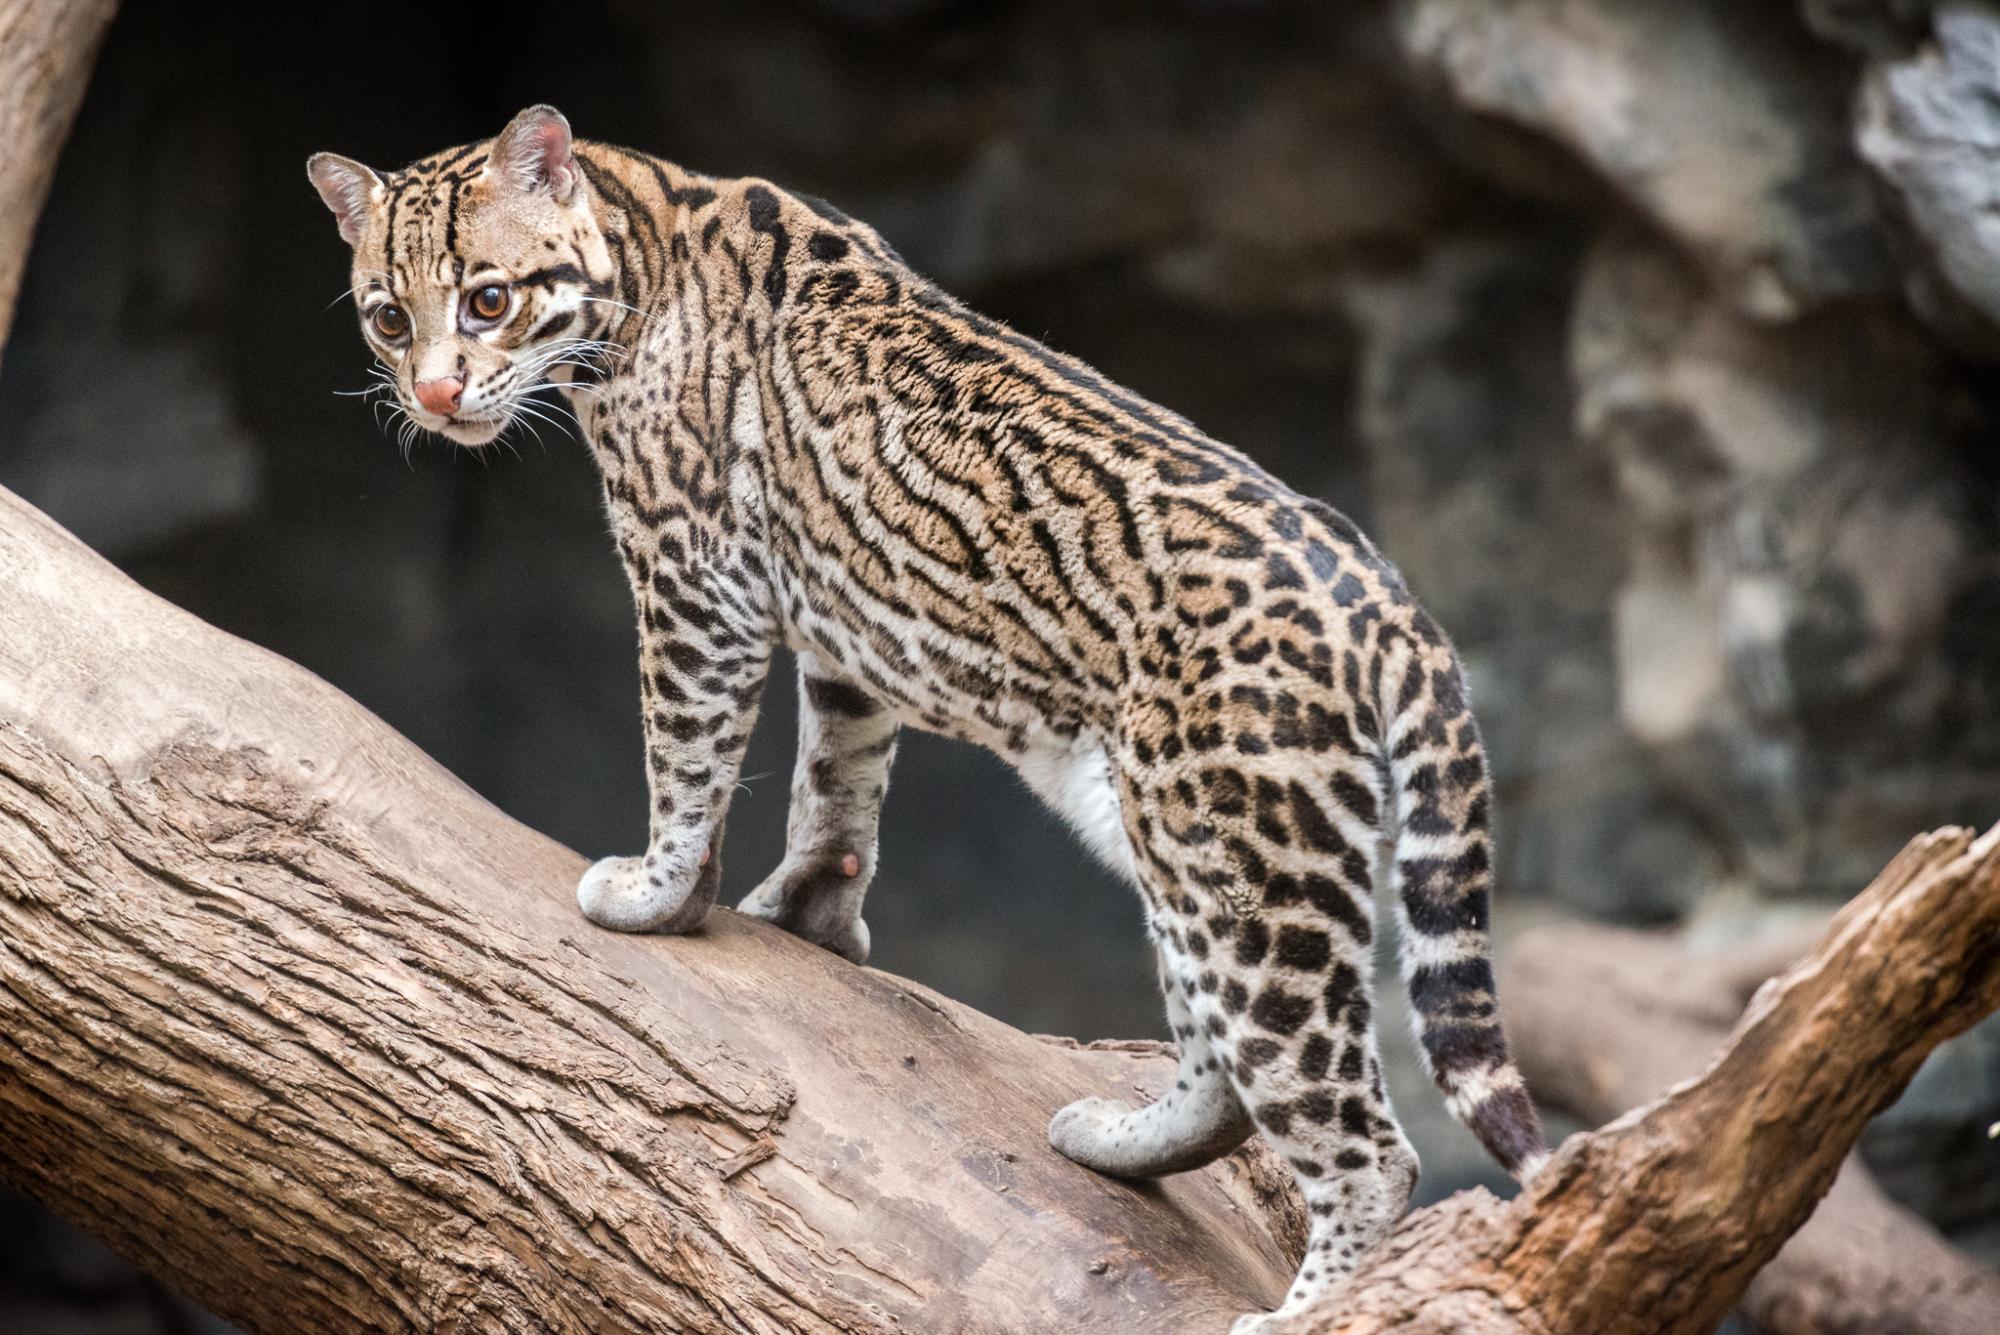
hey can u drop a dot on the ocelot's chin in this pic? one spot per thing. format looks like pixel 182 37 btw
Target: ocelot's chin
pixel 472 431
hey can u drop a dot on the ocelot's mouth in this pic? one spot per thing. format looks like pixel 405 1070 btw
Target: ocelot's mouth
pixel 472 430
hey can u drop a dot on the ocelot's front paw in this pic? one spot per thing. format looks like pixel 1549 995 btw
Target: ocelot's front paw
pixel 817 901
pixel 648 894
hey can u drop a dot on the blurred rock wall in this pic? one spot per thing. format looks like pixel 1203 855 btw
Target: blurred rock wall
pixel 1655 340
pixel 1669 336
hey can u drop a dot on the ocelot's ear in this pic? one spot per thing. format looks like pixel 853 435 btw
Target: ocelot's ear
pixel 351 190
pixel 535 153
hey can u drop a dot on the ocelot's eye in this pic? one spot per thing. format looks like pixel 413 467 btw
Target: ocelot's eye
pixel 390 321
pixel 488 303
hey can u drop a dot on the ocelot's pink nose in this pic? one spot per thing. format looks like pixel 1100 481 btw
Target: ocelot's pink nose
pixel 441 396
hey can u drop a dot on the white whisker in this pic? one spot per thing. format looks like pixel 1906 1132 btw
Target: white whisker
pixel 619 305
pixel 557 404
pixel 526 411
pixel 370 276
pixel 529 427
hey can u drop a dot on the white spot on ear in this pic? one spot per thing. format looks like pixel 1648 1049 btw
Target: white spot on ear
pixel 351 190
pixel 535 152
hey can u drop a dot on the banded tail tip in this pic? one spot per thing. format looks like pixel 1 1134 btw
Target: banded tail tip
pixel 1506 1123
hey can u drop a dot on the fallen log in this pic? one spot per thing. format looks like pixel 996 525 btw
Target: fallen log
pixel 296 1021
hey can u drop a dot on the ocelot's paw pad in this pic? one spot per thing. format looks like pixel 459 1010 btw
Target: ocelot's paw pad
pixel 845 937
pixel 850 942
pixel 816 898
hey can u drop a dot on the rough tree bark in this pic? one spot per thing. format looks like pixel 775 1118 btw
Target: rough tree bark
pixel 46 50
pixel 1602 1018
pixel 302 1025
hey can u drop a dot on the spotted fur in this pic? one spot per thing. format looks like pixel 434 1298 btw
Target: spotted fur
pixel 1221 684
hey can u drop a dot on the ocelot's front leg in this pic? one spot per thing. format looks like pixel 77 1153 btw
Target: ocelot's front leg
pixel 704 653
pixel 846 740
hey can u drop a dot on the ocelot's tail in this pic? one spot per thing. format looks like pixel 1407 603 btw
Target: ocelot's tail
pixel 1442 876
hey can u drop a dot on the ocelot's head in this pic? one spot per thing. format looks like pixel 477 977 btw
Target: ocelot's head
pixel 478 273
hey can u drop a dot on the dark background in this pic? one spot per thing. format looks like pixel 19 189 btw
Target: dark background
pixel 1675 405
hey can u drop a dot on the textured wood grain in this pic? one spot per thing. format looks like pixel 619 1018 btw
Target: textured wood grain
pixel 300 1023
pixel 46 50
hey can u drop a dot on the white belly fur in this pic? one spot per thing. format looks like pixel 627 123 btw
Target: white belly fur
pixel 1073 775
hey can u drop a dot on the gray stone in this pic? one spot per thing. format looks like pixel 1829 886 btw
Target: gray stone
pixel 1324 173
pixel 1980 1241
pixel 886 13
pixel 120 416
pixel 1929 124
pixel 1875 27
pixel 137 1314
pixel 1797 551
pixel 99 418
pixel 1712 118
pixel 1247 152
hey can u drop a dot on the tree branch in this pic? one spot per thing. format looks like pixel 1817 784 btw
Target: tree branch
pixel 1602 1017
pixel 1655 1224
pixel 297 1021
pixel 46 50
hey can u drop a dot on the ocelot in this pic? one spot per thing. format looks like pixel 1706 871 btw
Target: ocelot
pixel 1221 684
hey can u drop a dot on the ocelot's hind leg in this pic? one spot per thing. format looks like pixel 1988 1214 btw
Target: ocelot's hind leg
pixel 847 739
pixel 1196 1122
pixel 1260 855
